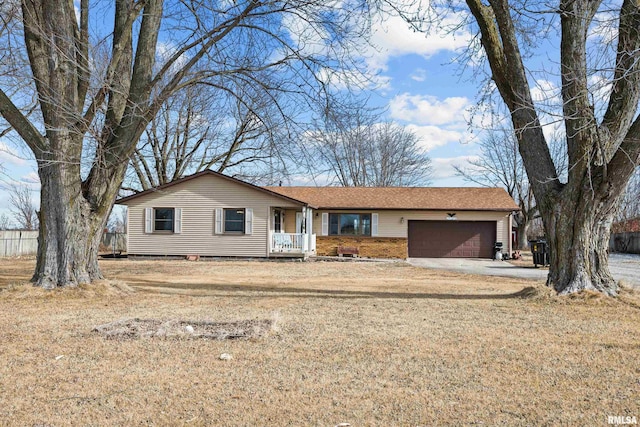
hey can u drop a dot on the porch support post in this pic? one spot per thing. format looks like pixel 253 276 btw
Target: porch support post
pixel 303 229
pixel 308 225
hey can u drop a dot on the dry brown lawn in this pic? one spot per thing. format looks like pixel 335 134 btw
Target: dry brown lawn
pixel 359 343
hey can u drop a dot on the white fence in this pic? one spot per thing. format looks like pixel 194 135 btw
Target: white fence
pixel 116 242
pixel 18 242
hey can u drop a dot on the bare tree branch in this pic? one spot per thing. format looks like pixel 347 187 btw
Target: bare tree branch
pixel 359 152
pixel 22 207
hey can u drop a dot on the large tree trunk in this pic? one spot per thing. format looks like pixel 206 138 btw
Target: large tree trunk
pixel 71 225
pixel 580 247
pixel 522 229
pixel 70 232
pixel 523 240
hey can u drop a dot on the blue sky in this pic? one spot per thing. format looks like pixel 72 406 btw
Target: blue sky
pixel 415 82
pixel 421 87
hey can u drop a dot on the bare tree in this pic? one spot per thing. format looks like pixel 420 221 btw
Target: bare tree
pixel 358 151
pixel 22 207
pixel 96 110
pixel 202 128
pixel 117 222
pixel 5 222
pixel 500 165
pixel 601 122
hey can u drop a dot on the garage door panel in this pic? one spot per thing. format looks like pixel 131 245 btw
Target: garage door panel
pixel 451 239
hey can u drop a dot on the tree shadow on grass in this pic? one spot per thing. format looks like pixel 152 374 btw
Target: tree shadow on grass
pixel 228 290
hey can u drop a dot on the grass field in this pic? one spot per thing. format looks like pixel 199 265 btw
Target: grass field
pixel 359 343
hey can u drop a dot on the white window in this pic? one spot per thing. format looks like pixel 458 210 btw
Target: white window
pixel 163 220
pixel 354 224
pixel 233 221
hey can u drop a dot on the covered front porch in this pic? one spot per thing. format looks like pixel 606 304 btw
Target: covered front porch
pixel 290 232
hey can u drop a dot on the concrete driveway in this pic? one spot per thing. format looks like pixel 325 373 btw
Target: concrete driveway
pixel 623 267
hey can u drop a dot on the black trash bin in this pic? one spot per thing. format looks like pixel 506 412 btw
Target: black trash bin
pixel 540 251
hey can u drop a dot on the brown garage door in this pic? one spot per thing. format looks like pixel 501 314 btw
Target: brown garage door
pixel 451 239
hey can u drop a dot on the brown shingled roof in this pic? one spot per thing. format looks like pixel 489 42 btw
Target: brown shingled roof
pixel 410 198
pixel 206 172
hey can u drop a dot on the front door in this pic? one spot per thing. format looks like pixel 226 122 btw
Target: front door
pixel 278 220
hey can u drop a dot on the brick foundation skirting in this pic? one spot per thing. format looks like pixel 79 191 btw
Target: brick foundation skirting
pixel 370 247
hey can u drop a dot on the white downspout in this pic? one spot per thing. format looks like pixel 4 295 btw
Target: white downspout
pixel 510 234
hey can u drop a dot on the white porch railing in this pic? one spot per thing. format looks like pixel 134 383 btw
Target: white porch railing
pixel 292 243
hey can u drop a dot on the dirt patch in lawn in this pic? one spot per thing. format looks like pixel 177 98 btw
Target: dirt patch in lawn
pixel 155 328
pixel 365 344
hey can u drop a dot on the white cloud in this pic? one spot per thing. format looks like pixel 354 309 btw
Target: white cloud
pixel 600 87
pixel 390 38
pixel 393 37
pixel 313 40
pixel 547 93
pixel 348 79
pixel 434 136
pixel 443 167
pixel 165 50
pixel 553 129
pixel 548 99
pixel 605 28
pixel 9 155
pixel 419 75
pixel 429 110
pixel 441 121
pixel 310 39
pixel 31 178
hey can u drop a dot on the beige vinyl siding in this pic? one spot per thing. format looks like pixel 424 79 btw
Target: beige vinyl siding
pixel 502 232
pixel 390 223
pixel 290 221
pixel 198 198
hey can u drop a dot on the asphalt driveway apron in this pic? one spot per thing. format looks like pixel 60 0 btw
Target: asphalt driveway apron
pixel 624 267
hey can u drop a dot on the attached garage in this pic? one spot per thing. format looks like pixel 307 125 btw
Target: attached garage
pixel 451 239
